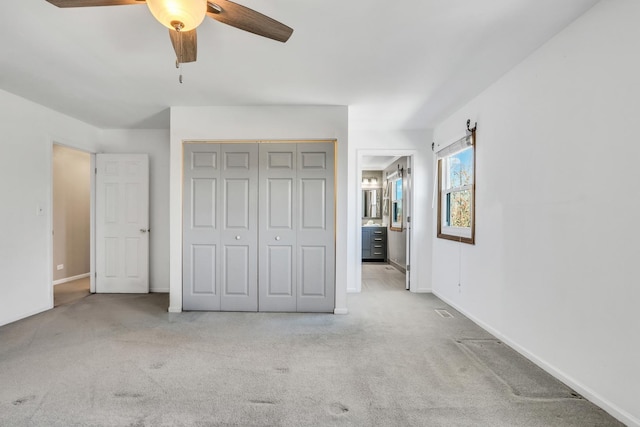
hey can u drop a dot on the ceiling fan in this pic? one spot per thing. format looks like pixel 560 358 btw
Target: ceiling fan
pixel 183 16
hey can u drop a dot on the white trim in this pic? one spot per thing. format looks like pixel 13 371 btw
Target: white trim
pixel 174 309
pixel 592 396
pixel 70 279
pixel 50 143
pixel 340 311
pixel 158 290
pixel 456 231
pixel 397 266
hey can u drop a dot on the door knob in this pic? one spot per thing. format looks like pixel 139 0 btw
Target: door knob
pixel 237 237
pixel 142 230
pixel 277 237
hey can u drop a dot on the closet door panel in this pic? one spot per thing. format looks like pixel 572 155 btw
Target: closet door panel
pixel 313 201
pixel 313 268
pixel 315 228
pixel 201 227
pixel 239 234
pixel 280 275
pixel 203 270
pixel 277 254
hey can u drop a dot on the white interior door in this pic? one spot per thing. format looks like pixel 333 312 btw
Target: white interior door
pixel 122 223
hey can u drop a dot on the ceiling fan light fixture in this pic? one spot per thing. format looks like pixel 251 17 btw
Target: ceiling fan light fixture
pixel 183 15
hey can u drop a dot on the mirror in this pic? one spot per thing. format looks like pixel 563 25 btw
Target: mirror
pixel 372 207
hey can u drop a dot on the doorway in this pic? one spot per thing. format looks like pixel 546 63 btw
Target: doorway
pixel 393 226
pixel 71 223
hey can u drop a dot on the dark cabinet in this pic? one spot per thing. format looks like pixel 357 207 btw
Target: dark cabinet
pixel 374 243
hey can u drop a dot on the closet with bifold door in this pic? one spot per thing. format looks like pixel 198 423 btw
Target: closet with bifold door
pixel 259 227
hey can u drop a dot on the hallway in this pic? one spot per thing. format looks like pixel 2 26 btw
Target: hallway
pixel 69 292
pixel 392 361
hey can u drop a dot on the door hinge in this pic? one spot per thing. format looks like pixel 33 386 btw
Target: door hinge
pixel 96 171
pixel 408 219
pixel 408 267
pixel 408 171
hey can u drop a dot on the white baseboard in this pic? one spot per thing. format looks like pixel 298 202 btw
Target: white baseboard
pixel 423 291
pixel 340 311
pixel 174 309
pixel 159 290
pixel 397 266
pixel 592 396
pixel 70 279
pixel 6 321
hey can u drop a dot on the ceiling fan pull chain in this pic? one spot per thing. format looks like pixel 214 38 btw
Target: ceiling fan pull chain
pixel 178 62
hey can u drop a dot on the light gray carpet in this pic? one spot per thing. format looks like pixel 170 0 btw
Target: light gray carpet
pixel 122 360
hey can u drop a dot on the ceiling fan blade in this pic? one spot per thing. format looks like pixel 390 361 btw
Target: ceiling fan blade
pixel 246 19
pixel 185 43
pixel 89 3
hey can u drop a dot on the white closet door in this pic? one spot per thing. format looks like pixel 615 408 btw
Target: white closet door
pixel 315 228
pixel 239 234
pixel 277 212
pixel 201 227
pixel 122 223
pixel 279 229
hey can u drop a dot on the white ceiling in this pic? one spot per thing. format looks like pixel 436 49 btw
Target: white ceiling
pixel 398 65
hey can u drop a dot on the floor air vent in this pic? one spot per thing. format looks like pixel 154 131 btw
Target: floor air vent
pixel 443 313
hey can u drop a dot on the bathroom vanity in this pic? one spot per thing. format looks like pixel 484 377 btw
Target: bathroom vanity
pixel 374 243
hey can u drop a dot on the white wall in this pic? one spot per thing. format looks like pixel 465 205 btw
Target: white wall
pixel 27 133
pixel 394 143
pixel 554 269
pixel 257 123
pixel 156 144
